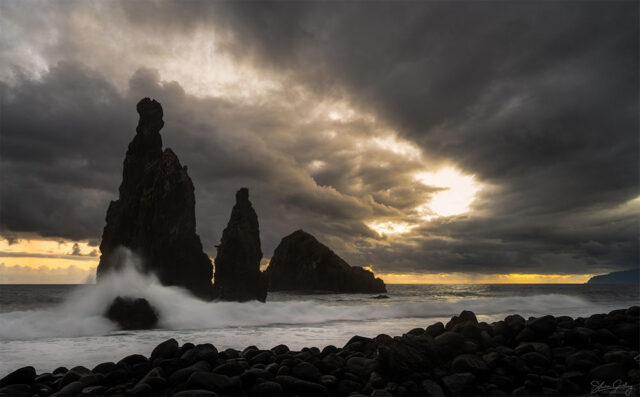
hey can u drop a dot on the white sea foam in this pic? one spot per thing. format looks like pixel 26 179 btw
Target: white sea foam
pixel 81 314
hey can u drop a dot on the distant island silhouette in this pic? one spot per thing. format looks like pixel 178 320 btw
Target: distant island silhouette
pixel 622 277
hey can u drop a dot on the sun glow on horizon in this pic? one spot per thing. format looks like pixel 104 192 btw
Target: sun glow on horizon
pixel 465 278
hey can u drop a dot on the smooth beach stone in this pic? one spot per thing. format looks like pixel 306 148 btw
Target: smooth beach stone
pixel 17 389
pixel 376 380
pixel 380 393
pixel 457 383
pixel 416 331
pixel 503 382
pixel 562 352
pixel 170 365
pixel 280 349
pixel 469 330
pixel 154 378
pixel 330 349
pixel 231 368
pixel 43 378
pixel 362 366
pixel 535 359
pixel 75 374
pixel 582 361
pixel 514 365
pixel 142 389
pixel 272 368
pixel 435 329
pixel 283 371
pixel 203 352
pixel 633 311
pixel 183 349
pixel 628 331
pixel 470 363
pixel 267 388
pixel 539 347
pixel 526 335
pixel 450 340
pixel 608 373
pixel 249 354
pixel 195 393
pixel 467 316
pixel 605 337
pixel 231 353
pixel 21 375
pixel 209 381
pixel 104 368
pixel 263 357
pixel 42 389
pixel 252 375
pixel 542 326
pixel 166 349
pixel 116 377
pixel 181 375
pixel 328 381
pixel 72 389
pixel 579 337
pixel 432 388
pixel 491 359
pixel 292 385
pixel 134 359
pixel 621 357
pixel 306 371
pixel 94 390
pixel 348 386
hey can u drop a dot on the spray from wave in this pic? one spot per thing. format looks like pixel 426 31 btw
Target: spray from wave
pixel 81 314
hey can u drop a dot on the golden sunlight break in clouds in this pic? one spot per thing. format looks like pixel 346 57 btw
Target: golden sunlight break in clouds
pixel 42 261
pixel 457 194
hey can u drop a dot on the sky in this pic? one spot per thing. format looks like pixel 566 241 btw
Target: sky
pixel 428 141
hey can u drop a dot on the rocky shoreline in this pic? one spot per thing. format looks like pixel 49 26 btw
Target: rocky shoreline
pixel 547 355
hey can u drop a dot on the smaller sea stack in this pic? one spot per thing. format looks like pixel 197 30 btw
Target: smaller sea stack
pixel 302 263
pixel 237 264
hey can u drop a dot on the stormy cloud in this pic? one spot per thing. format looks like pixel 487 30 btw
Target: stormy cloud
pixel 328 111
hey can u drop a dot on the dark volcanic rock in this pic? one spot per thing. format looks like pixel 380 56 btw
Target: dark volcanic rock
pixel 154 215
pixel 238 276
pixel 415 363
pixel 132 313
pixel 300 262
pixel 22 375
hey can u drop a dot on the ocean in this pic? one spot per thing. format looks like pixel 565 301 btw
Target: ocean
pixel 47 326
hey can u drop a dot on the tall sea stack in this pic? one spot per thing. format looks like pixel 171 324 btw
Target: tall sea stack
pixel 302 263
pixel 154 215
pixel 237 275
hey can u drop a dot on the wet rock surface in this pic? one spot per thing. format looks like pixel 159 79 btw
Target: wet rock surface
pixel 132 313
pixel 413 364
pixel 300 262
pixel 154 215
pixel 237 275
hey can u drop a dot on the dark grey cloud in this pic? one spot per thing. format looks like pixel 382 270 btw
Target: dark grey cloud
pixel 538 100
pixel 64 138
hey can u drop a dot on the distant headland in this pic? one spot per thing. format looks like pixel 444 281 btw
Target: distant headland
pixel 623 277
